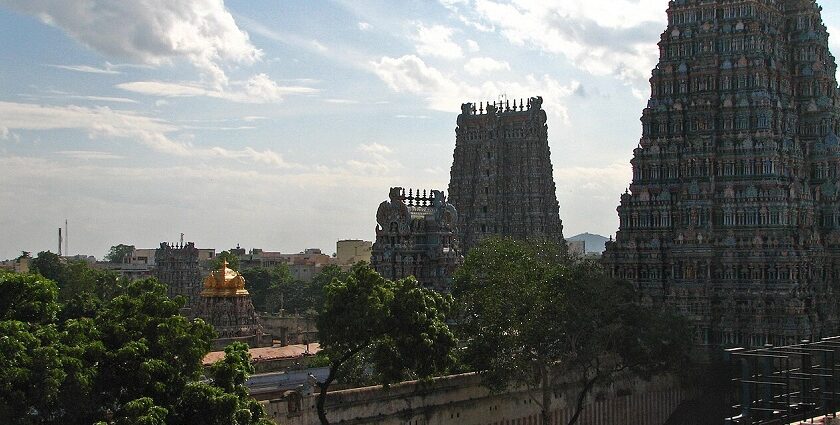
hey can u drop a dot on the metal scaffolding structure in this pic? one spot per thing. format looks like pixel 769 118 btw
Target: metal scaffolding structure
pixel 780 385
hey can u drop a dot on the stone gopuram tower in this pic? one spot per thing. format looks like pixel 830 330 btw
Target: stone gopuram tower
pixel 177 266
pixel 733 215
pixel 501 180
pixel 415 236
pixel 225 304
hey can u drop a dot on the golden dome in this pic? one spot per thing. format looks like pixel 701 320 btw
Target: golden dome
pixel 224 282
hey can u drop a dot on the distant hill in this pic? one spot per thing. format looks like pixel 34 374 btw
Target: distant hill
pixel 594 243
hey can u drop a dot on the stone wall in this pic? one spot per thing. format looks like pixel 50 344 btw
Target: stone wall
pixel 463 400
pixel 290 328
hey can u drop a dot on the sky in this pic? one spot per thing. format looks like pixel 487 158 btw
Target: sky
pixel 281 124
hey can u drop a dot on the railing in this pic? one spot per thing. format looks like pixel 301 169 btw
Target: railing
pixel 781 385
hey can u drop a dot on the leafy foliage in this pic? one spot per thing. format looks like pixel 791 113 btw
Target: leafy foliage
pixel 400 325
pixel 531 315
pixel 119 253
pixel 131 359
pixel 275 288
pixel 231 258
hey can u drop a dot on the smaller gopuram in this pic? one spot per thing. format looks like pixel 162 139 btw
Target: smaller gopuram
pixel 225 304
pixel 416 236
pixel 178 268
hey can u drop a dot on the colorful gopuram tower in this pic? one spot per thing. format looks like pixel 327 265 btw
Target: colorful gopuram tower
pixel 733 215
pixel 502 181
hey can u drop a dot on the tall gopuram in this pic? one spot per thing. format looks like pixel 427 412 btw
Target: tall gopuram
pixel 177 266
pixel 225 304
pixel 733 215
pixel 502 180
pixel 415 236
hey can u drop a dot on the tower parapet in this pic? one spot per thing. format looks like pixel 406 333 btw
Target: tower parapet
pixel 502 107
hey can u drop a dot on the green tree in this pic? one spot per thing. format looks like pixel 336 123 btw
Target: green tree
pixel 49 265
pixel 231 258
pixel 30 362
pixel 225 396
pixel 400 325
pixel 132 360
pixel 316 289
pixel 532 315
pixel 119 253
pixel 268 286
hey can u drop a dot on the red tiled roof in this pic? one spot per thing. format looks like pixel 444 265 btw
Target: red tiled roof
pixel 263 354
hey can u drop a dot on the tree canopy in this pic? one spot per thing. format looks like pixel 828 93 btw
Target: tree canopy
pixel 399 326
pixel 131 359
pixel 531 315
pixel 119 253
pixel 231 258
pixel 275 288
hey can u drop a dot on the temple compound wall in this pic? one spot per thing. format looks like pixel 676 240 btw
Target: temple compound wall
pixel 461 399
pixel 502 181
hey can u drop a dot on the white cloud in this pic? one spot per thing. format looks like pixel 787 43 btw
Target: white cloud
pixel 437 41
pixel 602 37
pixel 103 122
pixel 258 89
pixel 473 46
pixel 90 155
pixel 319 46
pixel 375 148
pixel 98 122
pixel 87 69
pixel 409 74
pixel 4 133
pixel 377 160
pixel 364 26
pixel 342 101
pixel 102 99
pixel 151 31
pixel 266 157
pixel 479 66
pixel 588 196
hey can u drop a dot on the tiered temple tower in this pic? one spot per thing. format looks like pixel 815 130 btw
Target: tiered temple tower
pixel 502 180
pixel 177 266
pixel 225 304
pixel 733 214
pixel 415 236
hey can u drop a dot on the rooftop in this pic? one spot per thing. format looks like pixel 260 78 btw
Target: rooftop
pixel 265 354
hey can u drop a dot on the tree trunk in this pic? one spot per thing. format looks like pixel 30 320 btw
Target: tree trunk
pixel 322 395
pixel 587 387
pixel 546 395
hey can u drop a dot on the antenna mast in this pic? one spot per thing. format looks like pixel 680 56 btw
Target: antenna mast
pixel 59 241
pixel 66 238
